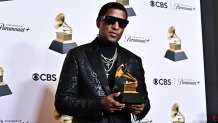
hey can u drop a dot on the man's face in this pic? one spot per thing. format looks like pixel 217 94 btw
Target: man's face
pixel 111 33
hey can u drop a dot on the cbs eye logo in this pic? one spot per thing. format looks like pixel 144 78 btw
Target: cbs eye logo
pixel 158 4
pixel 162 81
pixel 44 77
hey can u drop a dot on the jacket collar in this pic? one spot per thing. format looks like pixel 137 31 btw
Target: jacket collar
pixel 98 65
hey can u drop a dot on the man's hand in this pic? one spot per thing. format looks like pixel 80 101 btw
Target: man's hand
pixel 135 108
pixel 65 119
pixel 110 105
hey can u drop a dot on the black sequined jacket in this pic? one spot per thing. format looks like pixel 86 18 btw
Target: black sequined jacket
pixel 83 83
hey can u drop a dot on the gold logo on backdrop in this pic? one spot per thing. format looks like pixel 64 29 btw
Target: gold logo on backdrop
pixel 63 41
pixel 174 40
pixel 1 75
pixel 174 52
pixel 65 35
pixel 176 115
pixel 4 89
pixel 129 9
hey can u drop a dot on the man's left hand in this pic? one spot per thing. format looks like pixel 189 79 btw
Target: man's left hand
pixel 135 108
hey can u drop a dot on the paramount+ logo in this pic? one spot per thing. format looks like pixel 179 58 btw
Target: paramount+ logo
pixel 158 4
pixel 44 77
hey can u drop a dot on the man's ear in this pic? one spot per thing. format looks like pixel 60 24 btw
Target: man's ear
pixel 98 22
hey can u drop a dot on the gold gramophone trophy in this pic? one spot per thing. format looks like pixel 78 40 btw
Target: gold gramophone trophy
pixel 174 53
pixel 63 42
pixel 129 9
pixel 126 84
pixel 4 89
pixel 176 115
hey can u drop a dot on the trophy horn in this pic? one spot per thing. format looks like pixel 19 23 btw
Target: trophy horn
pixel 60 22
pixel 177 116
pixel 171 32
pixel 1 71
pixel 1 74
pixel 121 72
pixel 174 110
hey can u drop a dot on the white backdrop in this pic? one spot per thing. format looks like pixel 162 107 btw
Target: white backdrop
pixel 25 53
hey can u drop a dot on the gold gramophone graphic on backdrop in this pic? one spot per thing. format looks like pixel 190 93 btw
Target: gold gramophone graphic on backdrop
pixel 63 42
pixel 129 9
pixel 127 84
pixel 175 52
pixel 4 89
pixel 176 115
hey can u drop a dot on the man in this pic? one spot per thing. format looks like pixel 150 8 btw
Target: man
pixel 86 86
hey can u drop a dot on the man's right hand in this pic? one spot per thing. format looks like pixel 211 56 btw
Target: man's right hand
pixel 110 105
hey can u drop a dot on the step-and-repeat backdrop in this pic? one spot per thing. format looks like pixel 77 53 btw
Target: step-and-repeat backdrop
pixel 36 35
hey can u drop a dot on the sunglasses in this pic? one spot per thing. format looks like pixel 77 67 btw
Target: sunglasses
pixel 112 20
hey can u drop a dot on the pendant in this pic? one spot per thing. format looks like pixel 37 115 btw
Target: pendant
pixel 107 74
pixel 108 65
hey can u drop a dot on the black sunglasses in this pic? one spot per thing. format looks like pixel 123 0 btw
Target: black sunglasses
pixel 112 20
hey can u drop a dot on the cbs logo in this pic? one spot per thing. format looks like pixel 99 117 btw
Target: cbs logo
pixel 162 81
pixel 158 4
pixel 44 77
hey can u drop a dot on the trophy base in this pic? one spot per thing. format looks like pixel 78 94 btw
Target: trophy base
pixel 4 90
pixel 131 98
pixel 130 11
pixel 179 122
pixel 62 48
pixel 175 56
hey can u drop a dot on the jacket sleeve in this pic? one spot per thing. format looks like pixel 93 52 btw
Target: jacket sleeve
pixel 67 100
pixel 137 71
